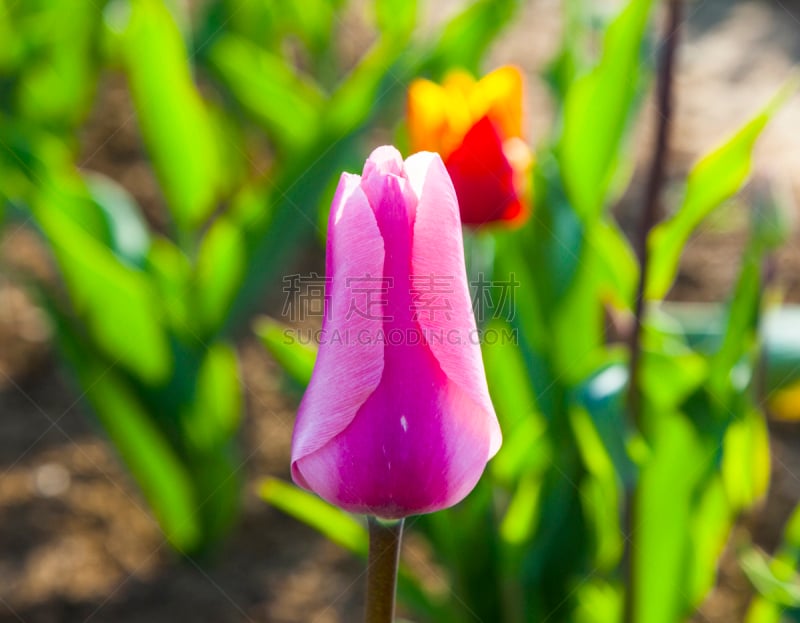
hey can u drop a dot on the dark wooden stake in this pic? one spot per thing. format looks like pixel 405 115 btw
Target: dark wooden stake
pixel 650 216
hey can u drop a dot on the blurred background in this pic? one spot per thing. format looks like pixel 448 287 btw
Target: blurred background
pixel 192 146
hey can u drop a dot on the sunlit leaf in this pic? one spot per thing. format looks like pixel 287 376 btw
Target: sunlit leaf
pixel 597 110
pixel 213 417
pixel 164 481
pixel 745 460
pixel 663 519
pixel 172 116
pixel 128 235
pixel 118 303
pixel 714 179
pixel 286 104
pixel 220 267
pixel 334 523
pixel 295 358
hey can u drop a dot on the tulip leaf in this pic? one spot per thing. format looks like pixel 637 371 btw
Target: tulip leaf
pixel 782 588
pixel 220 267
pixel 158 471
pixel 617 270
pixel 602 397
pixel 663 521
pixel 175 123
pixel 128 235
pixel 745 460
pixel 296 359
pixel 117 301
pixel 213 416
pixel 714 179
pixel 597 110
pixel 396 16
pixel 286 105
pixel 335 524
pixel 710 526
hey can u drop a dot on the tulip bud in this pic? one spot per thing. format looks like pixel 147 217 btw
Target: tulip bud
pixel 477 129
pixel 397 418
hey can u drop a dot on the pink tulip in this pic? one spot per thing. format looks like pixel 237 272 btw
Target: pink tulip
pixel 397 418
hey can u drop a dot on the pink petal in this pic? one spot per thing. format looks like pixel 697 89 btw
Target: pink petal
pixel 437 250
pixel 344 377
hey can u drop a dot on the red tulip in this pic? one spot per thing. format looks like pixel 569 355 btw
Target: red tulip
pixel 477 129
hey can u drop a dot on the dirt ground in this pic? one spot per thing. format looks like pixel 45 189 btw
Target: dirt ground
pixel 76 540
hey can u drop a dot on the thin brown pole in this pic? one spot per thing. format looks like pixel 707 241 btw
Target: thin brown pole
pixel 655 181
pixel 384 557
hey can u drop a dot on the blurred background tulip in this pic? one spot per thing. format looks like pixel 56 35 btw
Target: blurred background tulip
pixel 477 127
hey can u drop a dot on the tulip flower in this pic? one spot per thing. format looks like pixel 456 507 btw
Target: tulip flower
pixel 397 418
pixel 477 129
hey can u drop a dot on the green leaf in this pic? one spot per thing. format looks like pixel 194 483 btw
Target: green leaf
pixel 597 109
pixel 782 589
pixel 746 460
pixel 713 180
pixel 602 397
pixel 295 358
pixel 128 234
pixel 220 267
pixel 158 471
pixel 117 302
pixel 663 519
pixel 710 527
pixel 213 417
pixel 172 116
pixel 617 269
pixel 284 103
pixel 335 524
pixel 170 272
pixel 396 16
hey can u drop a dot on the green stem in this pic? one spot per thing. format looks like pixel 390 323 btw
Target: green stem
pixel 384 557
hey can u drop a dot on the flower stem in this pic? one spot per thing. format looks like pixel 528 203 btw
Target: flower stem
pixel 384 556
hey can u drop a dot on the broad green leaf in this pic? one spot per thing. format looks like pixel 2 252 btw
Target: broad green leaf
pixel 172 116
pixel 745 460
pixel 668 378
pixel 617 270
pixel 601 397
pixel 335 524
pixel 396 16
pixel 171 272
pixel 600 494
pixel 597 110
pixel 128 235
pixel 286 104
pixel 221 263
pixel 295 358
pixel 710 526
pixel 663 519
pixel 521 518
pixel 158 471
pixel 598 602
pixel 119 306
pixel 212 419
pixel 713 180
pixel 780 586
